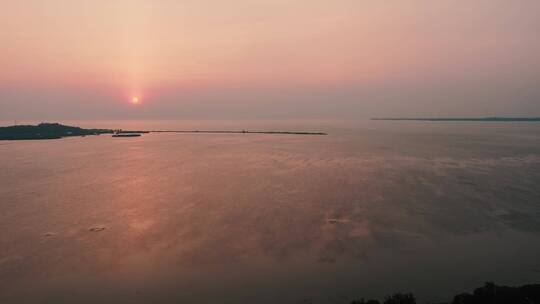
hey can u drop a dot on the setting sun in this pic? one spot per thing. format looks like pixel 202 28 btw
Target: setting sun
pixel 135 100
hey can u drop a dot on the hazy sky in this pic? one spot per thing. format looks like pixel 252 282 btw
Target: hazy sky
pixel 74 59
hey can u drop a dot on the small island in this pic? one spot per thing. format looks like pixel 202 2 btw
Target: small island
pixel 47 131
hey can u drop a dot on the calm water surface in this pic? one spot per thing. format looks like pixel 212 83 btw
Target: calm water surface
pixel 372 208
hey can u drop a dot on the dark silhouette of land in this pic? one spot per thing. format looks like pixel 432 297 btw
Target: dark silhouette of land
pixel 398 298
pixel 46 131
pixel 56 131
pixel 488 294
pixel 124 134
pixel 486 119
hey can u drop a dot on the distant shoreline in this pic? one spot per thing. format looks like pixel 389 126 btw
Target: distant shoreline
pixel 46 131
pixel 57 131
pixel 481 119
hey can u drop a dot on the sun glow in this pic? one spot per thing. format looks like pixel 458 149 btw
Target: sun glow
pixel 135 100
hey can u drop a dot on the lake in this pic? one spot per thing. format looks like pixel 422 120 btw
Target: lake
pixel 375 207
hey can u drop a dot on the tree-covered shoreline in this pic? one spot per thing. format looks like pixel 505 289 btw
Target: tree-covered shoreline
pixel 490 293
pixel 46 131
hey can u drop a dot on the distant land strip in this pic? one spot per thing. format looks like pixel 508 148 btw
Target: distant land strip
pixel 241 132
pixel 56 130
pixel 487 119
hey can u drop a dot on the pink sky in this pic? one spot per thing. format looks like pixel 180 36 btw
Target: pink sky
pixel 340 58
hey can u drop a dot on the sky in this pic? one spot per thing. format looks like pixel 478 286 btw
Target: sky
pixel 339 59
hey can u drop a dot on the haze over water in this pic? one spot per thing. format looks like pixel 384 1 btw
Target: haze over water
pixel 370 209
pixel 374 208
